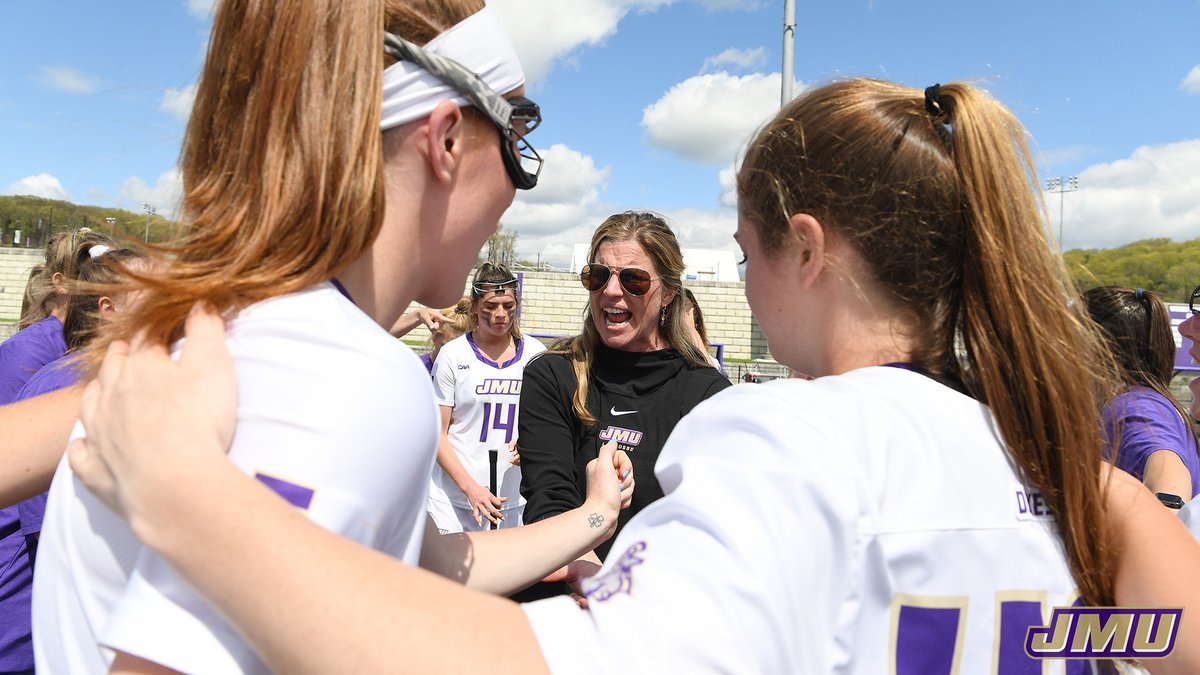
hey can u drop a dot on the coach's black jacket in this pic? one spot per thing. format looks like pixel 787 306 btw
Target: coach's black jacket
pixel 637 397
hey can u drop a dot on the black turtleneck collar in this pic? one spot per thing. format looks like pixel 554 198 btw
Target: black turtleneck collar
pixel 635 373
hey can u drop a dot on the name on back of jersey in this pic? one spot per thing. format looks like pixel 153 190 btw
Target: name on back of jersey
pixel 1030 503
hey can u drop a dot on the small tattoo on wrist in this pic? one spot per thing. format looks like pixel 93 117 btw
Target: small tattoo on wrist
pixel 595 520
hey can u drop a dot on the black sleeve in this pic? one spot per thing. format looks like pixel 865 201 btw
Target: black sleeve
pixel 546 439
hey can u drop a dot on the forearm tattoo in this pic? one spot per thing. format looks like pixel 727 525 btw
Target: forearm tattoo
pixel 595 520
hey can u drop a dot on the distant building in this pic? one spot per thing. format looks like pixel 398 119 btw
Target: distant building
pixel 699 264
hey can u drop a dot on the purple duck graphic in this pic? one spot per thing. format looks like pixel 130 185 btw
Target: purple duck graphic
pixel 618 579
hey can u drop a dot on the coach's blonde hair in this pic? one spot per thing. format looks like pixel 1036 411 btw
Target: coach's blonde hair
pixel 653 234
pixel 941 201
pixel 282 160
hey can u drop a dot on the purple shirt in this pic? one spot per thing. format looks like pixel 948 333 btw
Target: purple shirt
pixel 26 352
pixel 18 523
pixel 1147 422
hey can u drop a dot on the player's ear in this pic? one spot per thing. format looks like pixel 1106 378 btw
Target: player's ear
pixel 445 136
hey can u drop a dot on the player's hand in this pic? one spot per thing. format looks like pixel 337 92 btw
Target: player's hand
pixel 609 483
pixel 515 460
pixel 574 572
pixel 431 318
pixel 150 421
pixel 484 504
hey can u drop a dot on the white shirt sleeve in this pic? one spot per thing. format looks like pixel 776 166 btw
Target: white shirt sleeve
pixel 740 568
pixel 345 431
pixel 445 370
pixel 1190 515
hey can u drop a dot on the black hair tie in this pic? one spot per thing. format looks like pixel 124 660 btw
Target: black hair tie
pixel 937 104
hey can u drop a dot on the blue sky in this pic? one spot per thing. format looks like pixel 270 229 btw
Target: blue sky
pixel 647 102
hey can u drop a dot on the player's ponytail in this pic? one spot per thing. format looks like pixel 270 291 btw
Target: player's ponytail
pixel 1031 351
pixel 936 192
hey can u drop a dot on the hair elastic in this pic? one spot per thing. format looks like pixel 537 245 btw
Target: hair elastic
pixel 98 250
pixel 936 104
pixel 478 43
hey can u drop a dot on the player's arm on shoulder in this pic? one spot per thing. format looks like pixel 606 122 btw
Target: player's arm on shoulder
pixel 35 436
pixel 734 546
pixel 1166 472
pixel 1156 565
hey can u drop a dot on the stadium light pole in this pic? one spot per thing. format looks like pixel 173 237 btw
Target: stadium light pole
pixel 150 211
pixel 789 44
pixel 1061 186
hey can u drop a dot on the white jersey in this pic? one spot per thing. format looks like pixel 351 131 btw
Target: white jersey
pixel 485 397
pixel 1190 515
pixel 334 415
pixel 860 524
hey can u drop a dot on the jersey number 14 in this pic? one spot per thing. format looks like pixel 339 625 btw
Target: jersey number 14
pixel 494 418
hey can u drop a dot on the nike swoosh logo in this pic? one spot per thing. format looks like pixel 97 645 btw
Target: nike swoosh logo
pixel 617 413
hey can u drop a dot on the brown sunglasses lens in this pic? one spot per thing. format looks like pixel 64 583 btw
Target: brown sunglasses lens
pixel 593 277
pixel 635 281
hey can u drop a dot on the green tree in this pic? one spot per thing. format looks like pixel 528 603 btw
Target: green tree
pixel 1171 269
pixel 501 247
pixel 38 219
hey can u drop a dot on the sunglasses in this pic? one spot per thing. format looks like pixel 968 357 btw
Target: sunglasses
pixel 635 281
pixel 1194 302
pixel 514 118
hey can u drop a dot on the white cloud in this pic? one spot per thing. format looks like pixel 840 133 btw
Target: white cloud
pixel 709 118
pixel 164 196
pixel 704 228
pixel 568 204
pixel 1154 193
pixel 567 176
pixel 42 185
pixel 554 32
pixel 201 9
pixel 1191 83
pixel 68 79
pixel 728 180
pixel 557 28
pixel 563 209
pixel 565 206
pixel 744 59
pixel 178 102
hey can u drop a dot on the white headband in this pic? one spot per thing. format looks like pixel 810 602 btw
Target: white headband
pixel 98 250
pixel 478 42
